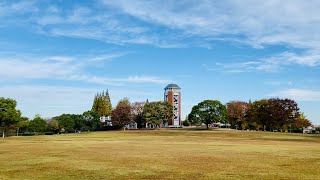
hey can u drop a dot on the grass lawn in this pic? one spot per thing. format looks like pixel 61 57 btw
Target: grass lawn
pixel 162 154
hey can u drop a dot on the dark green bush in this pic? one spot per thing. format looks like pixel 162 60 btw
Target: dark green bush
pixel 27 134
pixel 186 122
pixel 49 133
pixel 297 130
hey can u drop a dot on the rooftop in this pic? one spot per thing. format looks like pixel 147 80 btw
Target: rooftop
pixel 172 86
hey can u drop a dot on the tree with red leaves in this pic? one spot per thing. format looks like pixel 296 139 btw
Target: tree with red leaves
pixel 121 115
pixel 236 114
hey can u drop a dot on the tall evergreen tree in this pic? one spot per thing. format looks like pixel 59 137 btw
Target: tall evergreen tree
pixel 102 104
pixel 109 105
pixel 95 103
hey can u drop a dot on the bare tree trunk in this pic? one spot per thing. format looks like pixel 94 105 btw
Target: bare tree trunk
pixel 3 136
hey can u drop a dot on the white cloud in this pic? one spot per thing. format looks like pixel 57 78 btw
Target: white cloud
pixel 108 57
pixel 51 101
pixel 79 15
pixel 292 22
pixel 53 9
pixel 273 63
pixel 279 83
pixel 147 79
pixel 67 68
pixel 121 81
pixel 82 22
pixel 23 68
pixel 309 58
pixel 117 35
pixel 18 7
pixel 299 94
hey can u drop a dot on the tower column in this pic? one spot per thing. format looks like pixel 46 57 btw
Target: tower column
pixel 173 96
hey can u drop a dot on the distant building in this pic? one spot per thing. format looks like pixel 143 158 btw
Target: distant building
pixel 131 125
pixel 308 130
pixel 106 120
pixel 172 95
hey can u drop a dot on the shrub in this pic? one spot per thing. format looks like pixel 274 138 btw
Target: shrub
pixel 27 134
pixel 186 122
pixel 296 130
pixel 49 133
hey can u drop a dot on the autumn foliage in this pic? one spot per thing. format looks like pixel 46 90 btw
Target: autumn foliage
pixel 266 114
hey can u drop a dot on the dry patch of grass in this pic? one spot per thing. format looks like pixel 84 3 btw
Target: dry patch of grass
pixel 162 154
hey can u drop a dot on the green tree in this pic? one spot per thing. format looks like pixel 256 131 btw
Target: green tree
pixel 166 111
pixel 38 124
pixel 53 126
pixel 9 115
pixel 157 113
pixel 186 122
pixel 66 122
pixel 79 122
pixel 207 112
pixel 259 115
pixel 22 124
pixel 91 120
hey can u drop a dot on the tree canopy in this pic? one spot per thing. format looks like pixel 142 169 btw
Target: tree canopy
pixel 272 114
pixel 137 113
pixel 91 120
pixel 38 124
pixel 236 113
pixel 9 115
pixel 102 104
pixel 66 121
pixel 158 112
pixel 121 115
pixel 207 112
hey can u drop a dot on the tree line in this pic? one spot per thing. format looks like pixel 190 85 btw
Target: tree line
pixel 267 114
pixel 272 114
pixel 141 113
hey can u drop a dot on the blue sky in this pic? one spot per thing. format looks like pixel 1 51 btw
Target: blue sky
pixel 55 55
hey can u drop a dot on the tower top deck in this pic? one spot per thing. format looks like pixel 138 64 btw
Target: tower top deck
pixel 172 86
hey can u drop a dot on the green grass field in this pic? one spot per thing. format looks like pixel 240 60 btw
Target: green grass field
pixel 162 154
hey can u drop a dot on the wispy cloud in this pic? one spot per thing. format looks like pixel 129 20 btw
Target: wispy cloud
pixel 120 81
pixel 279 83
pixel 271 64
pixel 10 8
pixel 34 99
pixel 67 68
pixel 293 22
pixel 173 24
pixel 147 79
pixel 299 94
pixel 105 26
pixel 55 100
pixel 44 68
pixel 108 57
